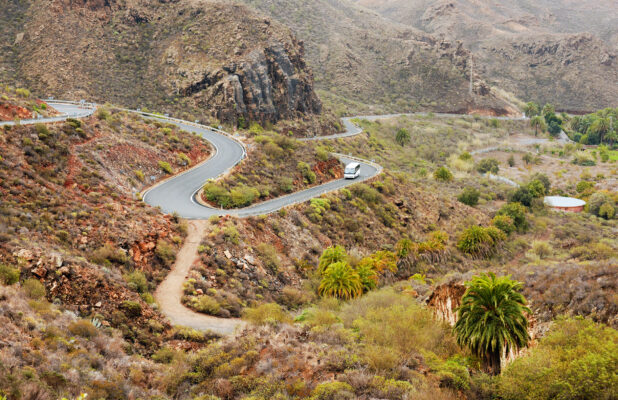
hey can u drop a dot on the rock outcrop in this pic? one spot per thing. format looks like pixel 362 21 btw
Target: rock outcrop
pixel 269 84
pixel 195 60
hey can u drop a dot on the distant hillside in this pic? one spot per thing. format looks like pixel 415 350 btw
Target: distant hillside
pixel 200 58
pixel 559 51
pixel 360 57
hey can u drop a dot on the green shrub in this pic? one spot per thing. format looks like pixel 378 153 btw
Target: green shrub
pixel 521 195
pixel 243 196
pixel 306 172
pixel 443 174
pixel 268 255
pixel 576 360
pixel 217 194
pixel 266 314
pixel 452 374
pixel 381 358
pixel 536 188
pixel 583 186
pixel 42 131
pixel 166 167
pixel 193 335
pixel 165 252
pixel 286 184
pixel 109 254
pixel 542 249
pixel 183 159
pixel 83 328
pixel 205 304
pixel 102 113
pixel 480 241
pixel 34 289
pixel 9 275
pixel 465 156
pixel 517 213
pixel 469 196
pixel 488 165
pixel 367 193
pixel 598 201
pixel 139 175
pixel 511 161
pixel 131 308
pixel 231 234
pixel 21 92
pixel 333 391
pixel 137 281
pixel 164 355
pixel 607 211
pixel 504 223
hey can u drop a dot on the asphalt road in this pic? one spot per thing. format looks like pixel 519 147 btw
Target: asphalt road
pixel 68 111
pixel 177 194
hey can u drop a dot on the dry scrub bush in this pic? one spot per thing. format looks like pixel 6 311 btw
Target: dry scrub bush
pixel 266 314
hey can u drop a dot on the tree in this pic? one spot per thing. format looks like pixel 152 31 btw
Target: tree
pixel 548 109
pixel 331 255
pixel 597 130
pixel 554 128
pixel 531 109
pixel 511 161
pixel 491 319
pixel 517 213
pixel 522 195
pixel 537 123
pixel 402 137
pixel 341 281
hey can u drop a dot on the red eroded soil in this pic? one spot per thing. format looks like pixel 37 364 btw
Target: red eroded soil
pixel 9 112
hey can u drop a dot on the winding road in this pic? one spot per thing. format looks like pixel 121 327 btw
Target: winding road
pixel 178 195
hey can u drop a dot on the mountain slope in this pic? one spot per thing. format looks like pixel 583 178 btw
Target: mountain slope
pixel 360 56
pixel 549 51
pixel 200 58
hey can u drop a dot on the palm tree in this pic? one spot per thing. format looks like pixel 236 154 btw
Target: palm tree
pixel 599 128
pixel 531 109
pixel 402 137
pixel 330 256
pixel 537 122
pixel 341 281
pixel 491 319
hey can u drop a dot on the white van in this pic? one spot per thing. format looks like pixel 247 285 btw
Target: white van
pixel 352 170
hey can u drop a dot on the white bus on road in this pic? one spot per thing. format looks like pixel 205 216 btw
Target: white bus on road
pixel 352 170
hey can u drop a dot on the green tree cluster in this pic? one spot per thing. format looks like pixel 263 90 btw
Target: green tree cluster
pixel 342 280
pixel 600 127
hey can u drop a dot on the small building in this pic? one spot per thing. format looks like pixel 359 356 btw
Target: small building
pixel 560 203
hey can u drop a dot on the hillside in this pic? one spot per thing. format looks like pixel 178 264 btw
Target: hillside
pixel 562 52
pixel 364 63
pixel 200 60
pixel 69 215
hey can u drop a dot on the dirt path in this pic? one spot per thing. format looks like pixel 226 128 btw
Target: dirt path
pixel 169 292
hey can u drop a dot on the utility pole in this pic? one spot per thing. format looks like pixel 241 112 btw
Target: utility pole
pixel 471 72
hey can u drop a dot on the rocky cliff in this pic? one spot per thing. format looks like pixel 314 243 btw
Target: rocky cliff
pixel 191 59
pixel 557 51
pixel 372 65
